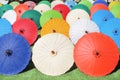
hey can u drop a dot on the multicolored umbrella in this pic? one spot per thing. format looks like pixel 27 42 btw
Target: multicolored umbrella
pixel 97 7
pixel 63 9
pixel 101 19
pixel 112 29
pixel 82 27
pixel 15 54
pixel 50 14
pixel 75 15
pixel 10 15
pixel 53 54
pixel 5 27
pixel 27 28
pixel 33 15
pixel 5 8
pixel 96 54
pixel 55 25
pixel 42 8
pixel 30 4
pixel 20 9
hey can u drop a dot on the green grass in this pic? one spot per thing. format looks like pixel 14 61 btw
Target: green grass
pixel 30 73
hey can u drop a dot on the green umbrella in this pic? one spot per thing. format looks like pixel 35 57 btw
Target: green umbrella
pixel 49 15
pixel 14 4
pixel 115 10
pixel 33 15
pixel 5 8
pixel 82 6
pixel 45 2
pixel 86 2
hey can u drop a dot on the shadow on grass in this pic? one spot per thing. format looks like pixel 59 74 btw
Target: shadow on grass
pixel 117 67
pixel 72 68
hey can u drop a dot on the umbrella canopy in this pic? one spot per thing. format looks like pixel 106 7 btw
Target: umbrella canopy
pixel 45 2
pixel 50 14
pixel 30 4
pixel 96 54
pixel 5 27
pixel 115 10
pixel 101 19
pixel 112 29
pixel 112 4
pixel 70 3
pixel 42 8
pixel 27 28
pixel 4 1
pixel 20 9
pixel 63 9
pixel 92 1
pixel 55 25
pixel 53 54
pixel 86 2
pixel 97 7
pixel 10 15
pixel 81 28
pixel 5 8
pixel 81 6
pixel 100 2
pixel 33 15
pixel 56 2
pixel 14 4
pixel 75 15
pixel 15 54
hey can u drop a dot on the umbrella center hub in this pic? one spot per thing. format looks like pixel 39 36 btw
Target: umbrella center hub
pixel 96 54
pixel 8 52
pixel 53 53
pixel 21 31
pixel 54 31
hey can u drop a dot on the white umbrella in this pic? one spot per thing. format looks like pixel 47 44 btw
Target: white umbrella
pixel 92 1
pixel 53 54
pixel 42 8
pixel 4 1
pixel 82 27
pixel 10 15
pixel 75 15
pixel 55 2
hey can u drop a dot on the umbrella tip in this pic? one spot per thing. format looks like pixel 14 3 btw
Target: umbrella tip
pixel 8 52
pixel 53 53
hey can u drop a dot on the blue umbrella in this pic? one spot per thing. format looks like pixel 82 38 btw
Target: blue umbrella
pixel 101 16
pixel 70 3
pixel 112 29
pixel 5 27
pixel 101 2
pixel 15 54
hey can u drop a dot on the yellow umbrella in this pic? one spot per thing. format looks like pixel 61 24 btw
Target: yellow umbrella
pixel 55 25
pixel 112 4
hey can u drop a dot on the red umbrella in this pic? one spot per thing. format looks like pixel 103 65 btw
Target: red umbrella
pixel 97 7
pixel 20 9
pixel 63 9
pixel 96 54
pixel 27 28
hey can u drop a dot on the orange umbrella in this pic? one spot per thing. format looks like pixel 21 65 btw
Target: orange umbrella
pixel 20 9
pixel 55 25
pixel 97 7
pixel 96 54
